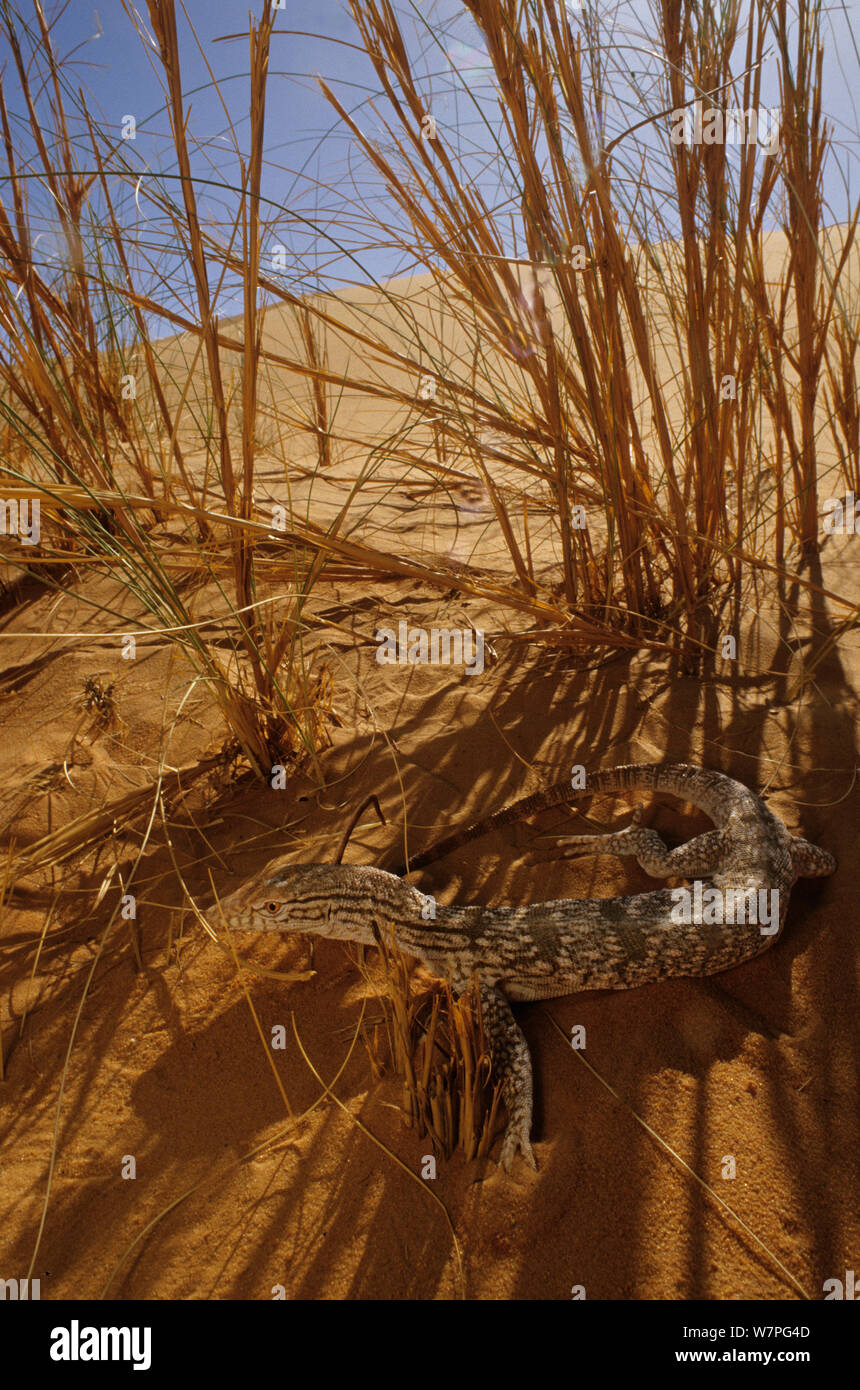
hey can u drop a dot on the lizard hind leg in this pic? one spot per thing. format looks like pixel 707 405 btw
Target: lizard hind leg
pixel 699 856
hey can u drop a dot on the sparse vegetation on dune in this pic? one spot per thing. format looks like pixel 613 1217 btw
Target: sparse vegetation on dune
pixel 613 351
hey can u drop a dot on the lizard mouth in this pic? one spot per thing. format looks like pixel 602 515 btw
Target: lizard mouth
pixel 230 908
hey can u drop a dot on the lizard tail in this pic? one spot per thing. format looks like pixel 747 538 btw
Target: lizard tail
pixel 711 792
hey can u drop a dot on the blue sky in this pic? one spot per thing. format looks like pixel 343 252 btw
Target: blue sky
pixel 313 166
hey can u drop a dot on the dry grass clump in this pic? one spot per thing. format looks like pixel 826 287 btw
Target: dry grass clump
pixel 435 1041
pixel 671 392
pixel 109 437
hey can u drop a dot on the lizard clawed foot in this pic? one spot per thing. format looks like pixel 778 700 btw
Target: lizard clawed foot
pixel 613 843
pixel 516 1142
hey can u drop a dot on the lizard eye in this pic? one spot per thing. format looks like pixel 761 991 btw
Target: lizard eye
pixel 272 907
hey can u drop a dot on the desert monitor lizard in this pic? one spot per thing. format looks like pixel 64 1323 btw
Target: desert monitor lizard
pixel 543 950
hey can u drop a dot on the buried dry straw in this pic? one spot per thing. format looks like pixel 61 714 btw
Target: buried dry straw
pixel 435 1041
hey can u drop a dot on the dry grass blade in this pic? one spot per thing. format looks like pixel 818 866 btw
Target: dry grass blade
pixel 97 826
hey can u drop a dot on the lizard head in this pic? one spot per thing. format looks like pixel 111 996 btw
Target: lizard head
pixel 327 899
pixel 282 897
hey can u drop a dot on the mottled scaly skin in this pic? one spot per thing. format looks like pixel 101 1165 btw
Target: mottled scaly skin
pixel 543 950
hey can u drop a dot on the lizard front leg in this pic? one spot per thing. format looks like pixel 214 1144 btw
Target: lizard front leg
pixel 512 1064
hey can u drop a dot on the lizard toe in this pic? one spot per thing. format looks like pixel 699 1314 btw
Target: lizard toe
pixel 514 1143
